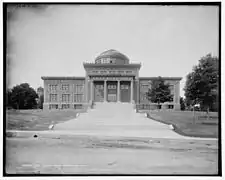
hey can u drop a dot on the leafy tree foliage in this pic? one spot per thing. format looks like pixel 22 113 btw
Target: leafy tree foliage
pixel 202 83
pixel 8 97
pixel 159 91
pixel 182 104
pixel 40 92
pixel 23 97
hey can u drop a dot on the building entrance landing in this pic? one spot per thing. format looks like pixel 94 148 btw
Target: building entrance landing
pixel 112 91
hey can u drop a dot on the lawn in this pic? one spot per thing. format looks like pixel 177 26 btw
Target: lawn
pixel 37 119
pixel 185 124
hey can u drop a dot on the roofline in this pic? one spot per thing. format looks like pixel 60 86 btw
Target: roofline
pixel 62 77
pixel 165 78
pixel 137 65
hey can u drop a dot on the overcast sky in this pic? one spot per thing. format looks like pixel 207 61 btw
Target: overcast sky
pixel 56 40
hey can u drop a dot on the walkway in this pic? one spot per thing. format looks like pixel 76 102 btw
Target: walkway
pixel 117 119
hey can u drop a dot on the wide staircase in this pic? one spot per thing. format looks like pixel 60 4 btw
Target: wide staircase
pixel 116 119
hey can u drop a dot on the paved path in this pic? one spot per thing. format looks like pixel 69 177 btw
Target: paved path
pixel 111 139
pixel 117 119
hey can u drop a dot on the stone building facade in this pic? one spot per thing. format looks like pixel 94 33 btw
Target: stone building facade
pixel 111 78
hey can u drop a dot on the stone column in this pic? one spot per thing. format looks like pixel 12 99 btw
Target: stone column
pixel 105 93
pixel 118 91
pixel 138 91
pixel 178 92
pixel 91 99
pixel 174 93
pixel 131 90
pixel 86 89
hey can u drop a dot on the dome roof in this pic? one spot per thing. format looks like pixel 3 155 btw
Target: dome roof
pixel 113 54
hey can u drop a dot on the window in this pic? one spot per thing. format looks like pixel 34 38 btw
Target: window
pixel 171 87
pixel 65 97
pixel 112 60
pixel 65 106
pixel 107 60
pixel 65 86
pixel 144 86
pixel 99 86
pixel 52 87
pixel 112 86
pixel 78 88
pixel 78 97
pixel 124 86
pixel 143 97
pixel 78 106
pixel 53 97
pixel 53 106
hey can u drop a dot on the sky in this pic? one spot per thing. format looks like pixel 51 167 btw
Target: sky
pixel 55 40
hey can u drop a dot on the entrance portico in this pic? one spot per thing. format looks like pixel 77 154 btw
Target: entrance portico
pixel 111 89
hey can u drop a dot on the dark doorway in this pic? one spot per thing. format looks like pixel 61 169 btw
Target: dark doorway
pixel 99 91
pixel 125 91
pixel 112 91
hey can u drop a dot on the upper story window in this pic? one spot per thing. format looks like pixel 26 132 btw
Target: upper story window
pixel 144 86
pixel 52 87
pixel 171 87
pixel 53 97
pixel 124 86
pixel 107 60
pixel 112 86
pixel 79 88
pixel 65 97
pixel 143 97
pixel 65 86
pixel 78 97
pixel 99 86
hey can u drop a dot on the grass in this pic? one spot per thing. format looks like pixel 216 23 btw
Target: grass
pixel 36 119
pixel 184 123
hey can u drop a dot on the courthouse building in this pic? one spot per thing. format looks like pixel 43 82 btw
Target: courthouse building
pixel 110 78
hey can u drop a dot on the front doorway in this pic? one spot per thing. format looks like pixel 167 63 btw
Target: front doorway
pixel 99 91
pixel 125 91
pixel 111 91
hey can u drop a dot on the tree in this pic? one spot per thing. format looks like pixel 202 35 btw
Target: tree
pixel 182 104
pixel 202 83
pixel 23 97
pixel 40 92
pixel 159 91
pixel 8 97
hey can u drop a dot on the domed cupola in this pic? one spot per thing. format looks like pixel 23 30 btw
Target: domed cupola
pixel 112 57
